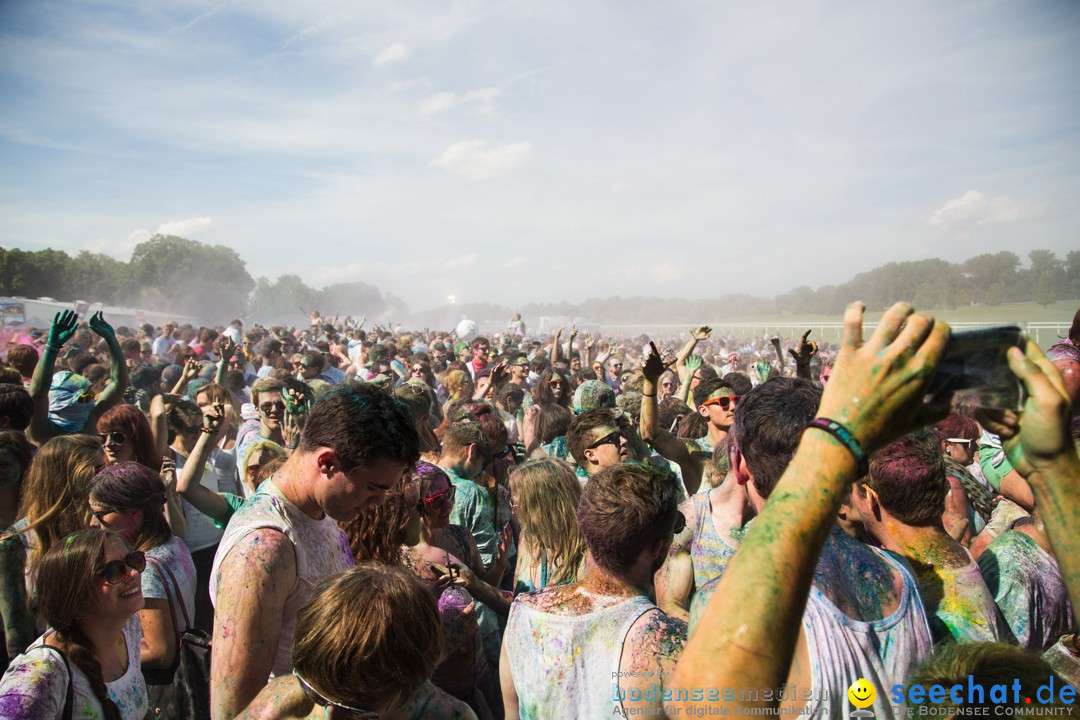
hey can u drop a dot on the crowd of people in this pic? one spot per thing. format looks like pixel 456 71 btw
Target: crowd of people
pixel 371 522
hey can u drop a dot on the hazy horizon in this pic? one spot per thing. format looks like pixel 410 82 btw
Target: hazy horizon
pixel 540 152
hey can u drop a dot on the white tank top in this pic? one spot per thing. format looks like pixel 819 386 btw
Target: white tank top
pixel 563 665
pixel 321 547
pixel 843 649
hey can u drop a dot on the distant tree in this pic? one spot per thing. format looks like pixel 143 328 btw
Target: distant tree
pixel 208 281
pixel 1047 288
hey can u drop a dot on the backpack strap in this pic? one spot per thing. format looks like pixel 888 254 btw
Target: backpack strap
pixel 168 593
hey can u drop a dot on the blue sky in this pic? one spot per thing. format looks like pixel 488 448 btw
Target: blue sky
pixel 524 151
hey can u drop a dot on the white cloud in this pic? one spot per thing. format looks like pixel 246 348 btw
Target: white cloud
pixel 462 262
pixel 191 228
pixel 437 103
pixel 391 53
pixel 975 208
pixel 472 161
pixel 518 261
pixel 482 101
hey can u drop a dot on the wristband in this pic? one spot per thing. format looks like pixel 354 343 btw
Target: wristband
pixel 846 439
pixel 54 348
pixel 648 395
pixel 206 430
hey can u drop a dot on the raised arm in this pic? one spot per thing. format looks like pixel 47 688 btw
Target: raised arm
pixel 1039 445
pixel 692 364
pixel 118 371
pixel 802 357
pixel 189 485
pixel 660 439
pixel 696 336
pixel 555 345
pixel 189 373
pixel 62 329
pixel 746 637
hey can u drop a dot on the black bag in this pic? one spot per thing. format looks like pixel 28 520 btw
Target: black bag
pixel 181 692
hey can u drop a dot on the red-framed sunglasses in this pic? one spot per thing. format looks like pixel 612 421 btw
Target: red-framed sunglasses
pixel 724 402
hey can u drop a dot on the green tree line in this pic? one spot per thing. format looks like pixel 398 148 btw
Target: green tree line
pixel 211 282
pixel 168 273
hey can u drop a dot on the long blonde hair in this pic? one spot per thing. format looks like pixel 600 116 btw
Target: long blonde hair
pixel 56 492
pixel 546 494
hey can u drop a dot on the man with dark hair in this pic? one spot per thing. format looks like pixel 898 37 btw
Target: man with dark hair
pixel 270 351
pixel 715 401
pixel 863 617
pixel 16 407
pixel 357 444
pixel 600 648
pixel 480 347
pixel 901 503
pixel 596 440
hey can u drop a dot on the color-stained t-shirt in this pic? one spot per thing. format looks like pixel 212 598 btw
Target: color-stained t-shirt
pixel 175 555
pixel 35 684
pixel 959 605
pixel 1028 588
pixel 475 511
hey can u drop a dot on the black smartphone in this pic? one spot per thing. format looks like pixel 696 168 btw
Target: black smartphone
pixel 975 372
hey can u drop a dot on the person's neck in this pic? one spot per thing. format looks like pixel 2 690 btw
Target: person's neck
pixel 716 434
pixel 520 382
pixel 295 482
pixel 603 582
pixel 1033 527
pixel 184 445
pixel 271 434
pixel 102 634
pixel 455 464
pixel 922 544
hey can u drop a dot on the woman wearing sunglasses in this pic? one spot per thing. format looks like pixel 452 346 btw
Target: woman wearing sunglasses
pixel 553 388
pixel 87 664
pixel 126 436
pixel 128 499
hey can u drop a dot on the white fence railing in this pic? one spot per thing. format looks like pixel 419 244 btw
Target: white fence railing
pixel 1045 334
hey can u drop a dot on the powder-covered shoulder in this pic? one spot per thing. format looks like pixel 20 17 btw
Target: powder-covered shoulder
pixel 34 686
pixel 431 703
pixel 660 635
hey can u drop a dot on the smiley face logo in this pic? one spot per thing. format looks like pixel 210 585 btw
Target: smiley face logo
pixel 862 693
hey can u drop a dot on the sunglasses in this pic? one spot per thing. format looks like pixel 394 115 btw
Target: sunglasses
pixel 441 500
pixel 960 441
pixel 113 438
pixel 99 515
pixel 725 402
pixel 268 407
pixel 614 438
pixel 556 383
pixel 347 710
pixel 482 348
pixel 116 571
pixel 418 369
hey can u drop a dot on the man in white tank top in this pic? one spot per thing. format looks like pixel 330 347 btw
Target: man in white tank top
pixel 357 444
pixel 901 503
pixel 600 648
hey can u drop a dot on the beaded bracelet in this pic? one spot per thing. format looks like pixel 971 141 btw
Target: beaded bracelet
pixel 846 439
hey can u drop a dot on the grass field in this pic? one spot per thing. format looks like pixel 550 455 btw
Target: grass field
pixel 827 327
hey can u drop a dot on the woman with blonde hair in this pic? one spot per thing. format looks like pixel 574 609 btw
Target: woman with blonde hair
pixel 87 664
pixel 551 551
pixel 364 647
pixel 53 505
